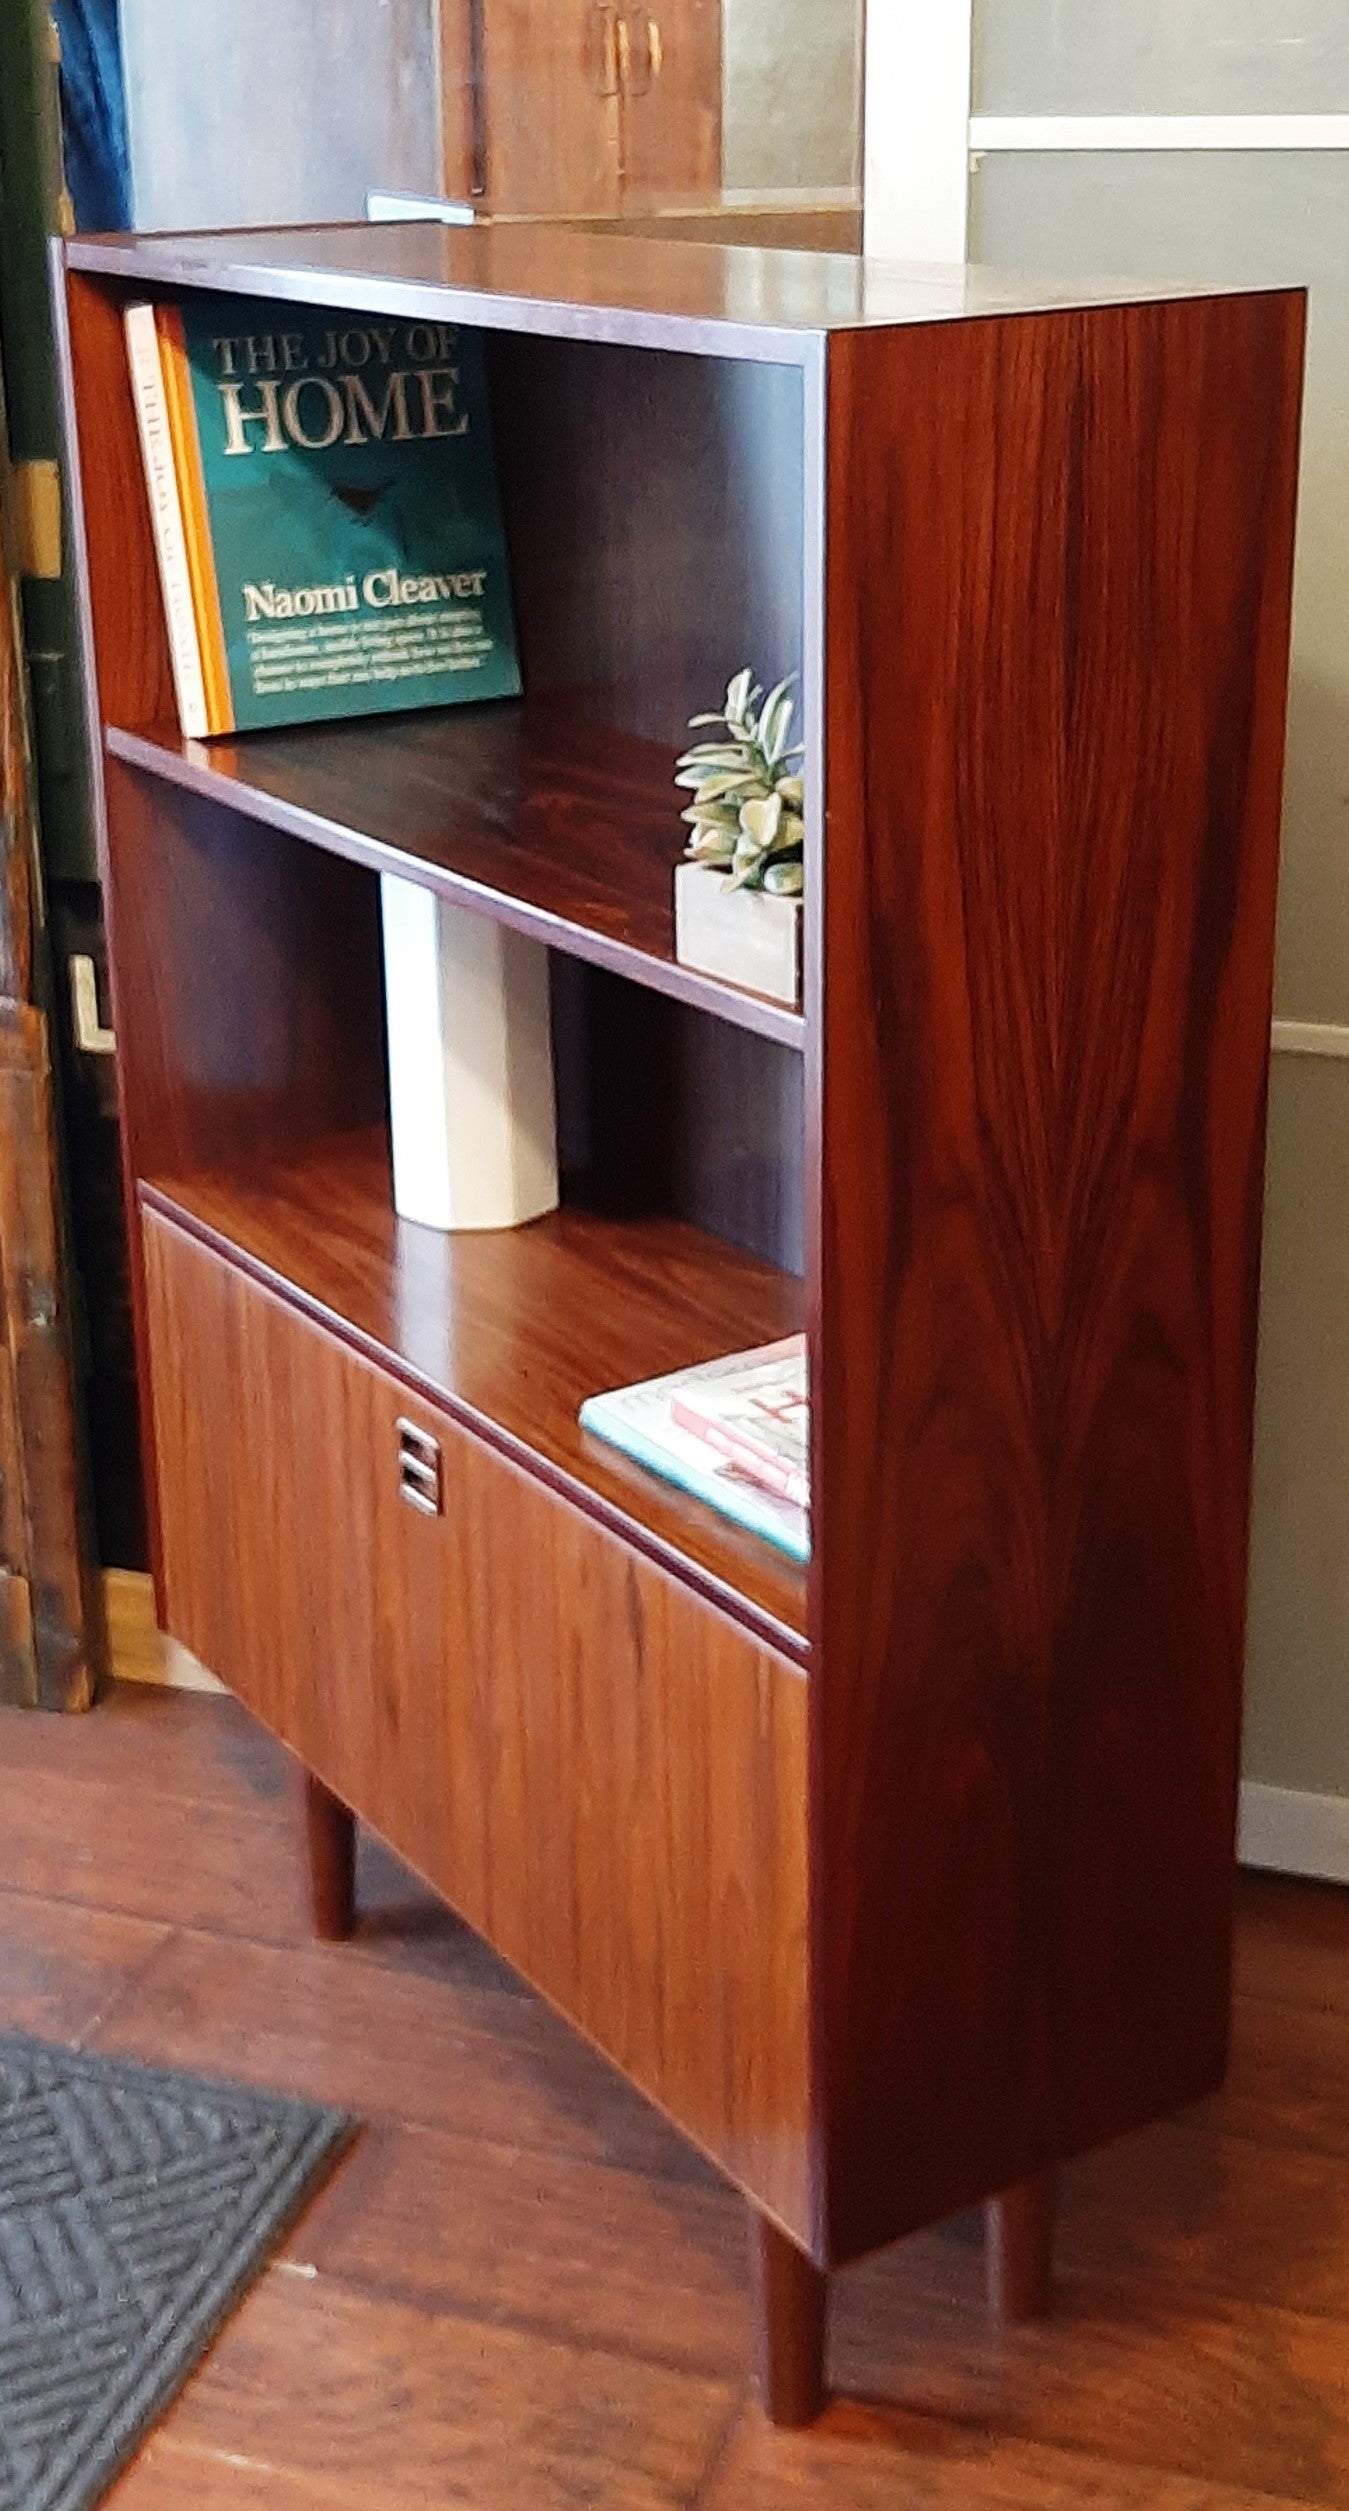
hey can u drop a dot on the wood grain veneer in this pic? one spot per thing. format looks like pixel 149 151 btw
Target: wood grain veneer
pixel 128 674
pixel 605 1775
pixel 246 983
pixel 1063 549
pixel 558 825
pixel 512 1329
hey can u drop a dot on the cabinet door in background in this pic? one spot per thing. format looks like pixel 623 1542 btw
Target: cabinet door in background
pixel 551 116
pixel 670 58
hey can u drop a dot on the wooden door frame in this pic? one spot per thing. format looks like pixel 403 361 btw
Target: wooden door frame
pixel 50 1618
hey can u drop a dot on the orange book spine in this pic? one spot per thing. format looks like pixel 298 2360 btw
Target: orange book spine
pixel 182 418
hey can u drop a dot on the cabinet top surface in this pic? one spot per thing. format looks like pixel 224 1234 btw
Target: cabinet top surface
pixel 563 281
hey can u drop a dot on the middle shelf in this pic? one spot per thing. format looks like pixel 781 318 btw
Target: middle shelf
pixel 512 1329
pixel 529 811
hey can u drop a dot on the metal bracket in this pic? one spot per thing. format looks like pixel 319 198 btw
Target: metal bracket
pixel 90 1035
pixel 37 519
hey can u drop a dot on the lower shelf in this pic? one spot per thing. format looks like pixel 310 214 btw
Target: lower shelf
pixel 511 1329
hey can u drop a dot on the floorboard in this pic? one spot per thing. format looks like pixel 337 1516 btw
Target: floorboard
pixel 520 2292
pixel 400 2406
pixel 62 1968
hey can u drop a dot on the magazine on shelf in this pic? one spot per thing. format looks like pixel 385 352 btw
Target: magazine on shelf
pixel 754 1409
pixel 734 1432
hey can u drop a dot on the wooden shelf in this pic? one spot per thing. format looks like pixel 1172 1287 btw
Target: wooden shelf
pixel 512 1329
pixel 531 812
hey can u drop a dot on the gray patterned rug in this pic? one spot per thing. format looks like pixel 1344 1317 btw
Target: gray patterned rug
pixel 136 2208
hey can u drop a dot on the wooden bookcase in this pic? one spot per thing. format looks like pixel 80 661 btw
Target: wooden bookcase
pixel 897 1882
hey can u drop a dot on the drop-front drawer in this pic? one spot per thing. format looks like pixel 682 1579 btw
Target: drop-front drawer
pixel 601 1771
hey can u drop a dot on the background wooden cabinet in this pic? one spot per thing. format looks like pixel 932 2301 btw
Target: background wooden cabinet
pixel 594 101
pixel 278 110
pixel 551 115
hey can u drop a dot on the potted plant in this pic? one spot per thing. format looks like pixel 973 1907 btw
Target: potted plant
pixel 738 892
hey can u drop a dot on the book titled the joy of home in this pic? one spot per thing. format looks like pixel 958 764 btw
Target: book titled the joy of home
pixel 326 514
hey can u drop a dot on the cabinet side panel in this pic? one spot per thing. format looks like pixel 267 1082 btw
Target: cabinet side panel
pixel 129 668
pixel 246 997
pixel 603 1775
pixel 1059 553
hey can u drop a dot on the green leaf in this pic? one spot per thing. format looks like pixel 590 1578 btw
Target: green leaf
pixel 784 880
pixel 793 792
pixel 713 815
pixel 714 754
pixel 721 784
pixel 775 722
pixel 740 695
pixel 759 821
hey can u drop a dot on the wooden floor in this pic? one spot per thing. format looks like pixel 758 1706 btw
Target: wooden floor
pixel 521 2291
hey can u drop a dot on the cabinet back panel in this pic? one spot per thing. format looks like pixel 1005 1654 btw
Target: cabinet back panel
pixel 667 1110
pixel 245 982
pixel 655 507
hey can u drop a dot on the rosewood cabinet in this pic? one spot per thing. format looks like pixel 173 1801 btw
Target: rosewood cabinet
pixel 901 1880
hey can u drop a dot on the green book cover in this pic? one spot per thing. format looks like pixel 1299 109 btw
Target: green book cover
pixel 340 523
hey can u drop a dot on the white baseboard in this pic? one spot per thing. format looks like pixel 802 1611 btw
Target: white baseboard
pixel 1289 1831
pixel 138 1651
pixel 1310 1037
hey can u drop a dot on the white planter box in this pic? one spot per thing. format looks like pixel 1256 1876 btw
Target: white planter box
pixel 747 936
pixel 471 1106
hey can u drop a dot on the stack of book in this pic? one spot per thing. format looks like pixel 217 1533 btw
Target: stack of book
pixel 735 1432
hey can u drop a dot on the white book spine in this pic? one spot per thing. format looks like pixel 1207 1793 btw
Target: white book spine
pixel 166 508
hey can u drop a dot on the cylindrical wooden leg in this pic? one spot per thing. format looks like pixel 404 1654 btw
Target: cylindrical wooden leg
pixel 1019 2248
pixel 330 1834
pixel 790 2295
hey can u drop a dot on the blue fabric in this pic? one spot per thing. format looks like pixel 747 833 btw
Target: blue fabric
pixel 93 113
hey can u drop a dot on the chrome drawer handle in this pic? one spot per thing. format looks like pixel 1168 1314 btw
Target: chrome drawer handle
pixel 419 1469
